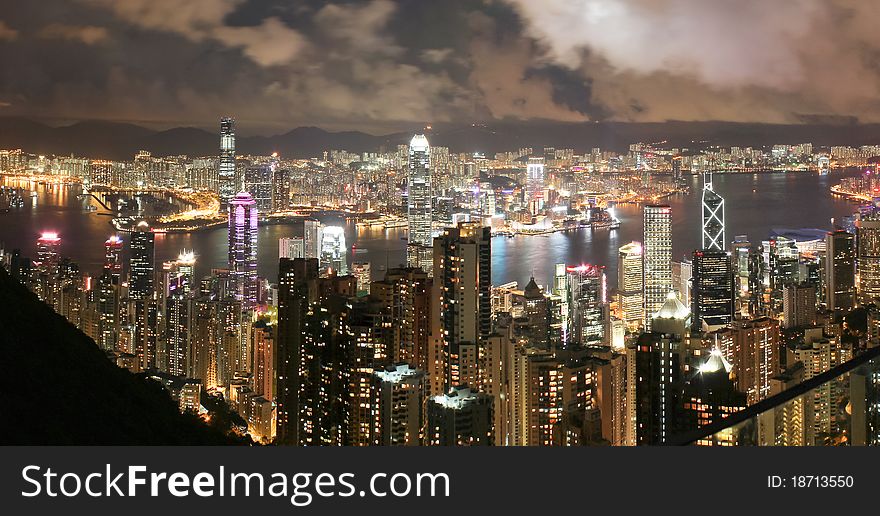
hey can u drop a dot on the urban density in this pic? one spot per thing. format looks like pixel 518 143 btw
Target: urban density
pixel 330 349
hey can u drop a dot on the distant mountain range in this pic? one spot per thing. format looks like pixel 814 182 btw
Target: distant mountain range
pixel 116 140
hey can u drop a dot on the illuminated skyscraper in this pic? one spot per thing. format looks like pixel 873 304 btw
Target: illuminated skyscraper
pixel 657 271
pixel 868 238
pixel 461 417
pixel 141 263
pixel 47 266
pixel 629 284
pixel 588 310
pixel 712 295
pixel 713 217
pixel 334 252
pixel 226 165
pixel 534 192
pixel 291 247
pixel 419 213
pixel 840 270
pixel 243 248
pixel 461 303
pixel 258 182
pixel 311 238
pixel 113 257
pixel 361 271
pixel 180 284
pixel 399 396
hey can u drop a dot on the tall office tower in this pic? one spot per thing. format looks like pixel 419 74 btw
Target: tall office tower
pixel 113 257
pixel 142 263
pixel 560 302
pixel 405 295
pixel 709 396
pixel 587 304
pixel 226 165
pixel 47 266
pixel 263 356
pixel 107 305
pixel 461 302
pixel 757 288
pixel 537 315
pixel 280 189
pixel 657 252
pixel 682 274
pixel 243 249
pixel 740 255
pixel 204 341
pixel 654 371
pixel 753 347
pixel 712 294
pixel 291 247
pixel 840 270
pixel 799 305
pixel 461 417
pixel 311 238
pixel 399 397
pixel 361 271
pixel 419 197
pixel 534 191
pixel 713 217
pixel 334 252
pixel 258 182
pixel 784 262
pixel 629 284
pixel 868 240
pixel 611 397
pixel 178 286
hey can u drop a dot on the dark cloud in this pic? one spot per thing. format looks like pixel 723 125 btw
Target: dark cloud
pixel 382 64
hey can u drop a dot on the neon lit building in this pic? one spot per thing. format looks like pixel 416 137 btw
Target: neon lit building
pixel 419 213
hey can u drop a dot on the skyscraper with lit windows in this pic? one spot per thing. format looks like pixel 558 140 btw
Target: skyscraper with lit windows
pixel 243 248
pixel 419 212
pixel 840 270
pixel 141 263
pixel 713 216
pixel 657 252
pixel 226 165
pixel 629 284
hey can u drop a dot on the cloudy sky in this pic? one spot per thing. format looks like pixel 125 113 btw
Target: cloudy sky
pixel 380 65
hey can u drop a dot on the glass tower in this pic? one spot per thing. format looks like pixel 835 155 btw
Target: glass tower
pixel 657 252
pixel 419 204
pixel 243 248
pixel 226 166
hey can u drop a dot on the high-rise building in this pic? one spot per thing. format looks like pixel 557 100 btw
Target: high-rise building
pixel 291 247
pixel 334 252
pixel 461 417
pixel 399 403
pixel 311 238
pixel 713 217
pixel 629 284
pixel 113 257
pixel 657 252
pixel 712 295
pixel 142 263
pixel 243 249
pixel 534 191
pixel 709 396
pixel 682 275
pixel 280 189
pixel 588 308
pixel 799 305
pixel 753 347
pixel 840 270
pixel 868 241
pixel 405 295
pixel 361 271
pixel 46 266
pixel 654 375
pixel 419 197
pixel 258 182
pixel 461 303
pixel 226 165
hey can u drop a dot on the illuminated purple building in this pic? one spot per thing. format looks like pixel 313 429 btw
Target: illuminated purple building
pixel 243 248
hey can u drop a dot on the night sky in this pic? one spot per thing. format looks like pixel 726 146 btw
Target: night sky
pixel 376 65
